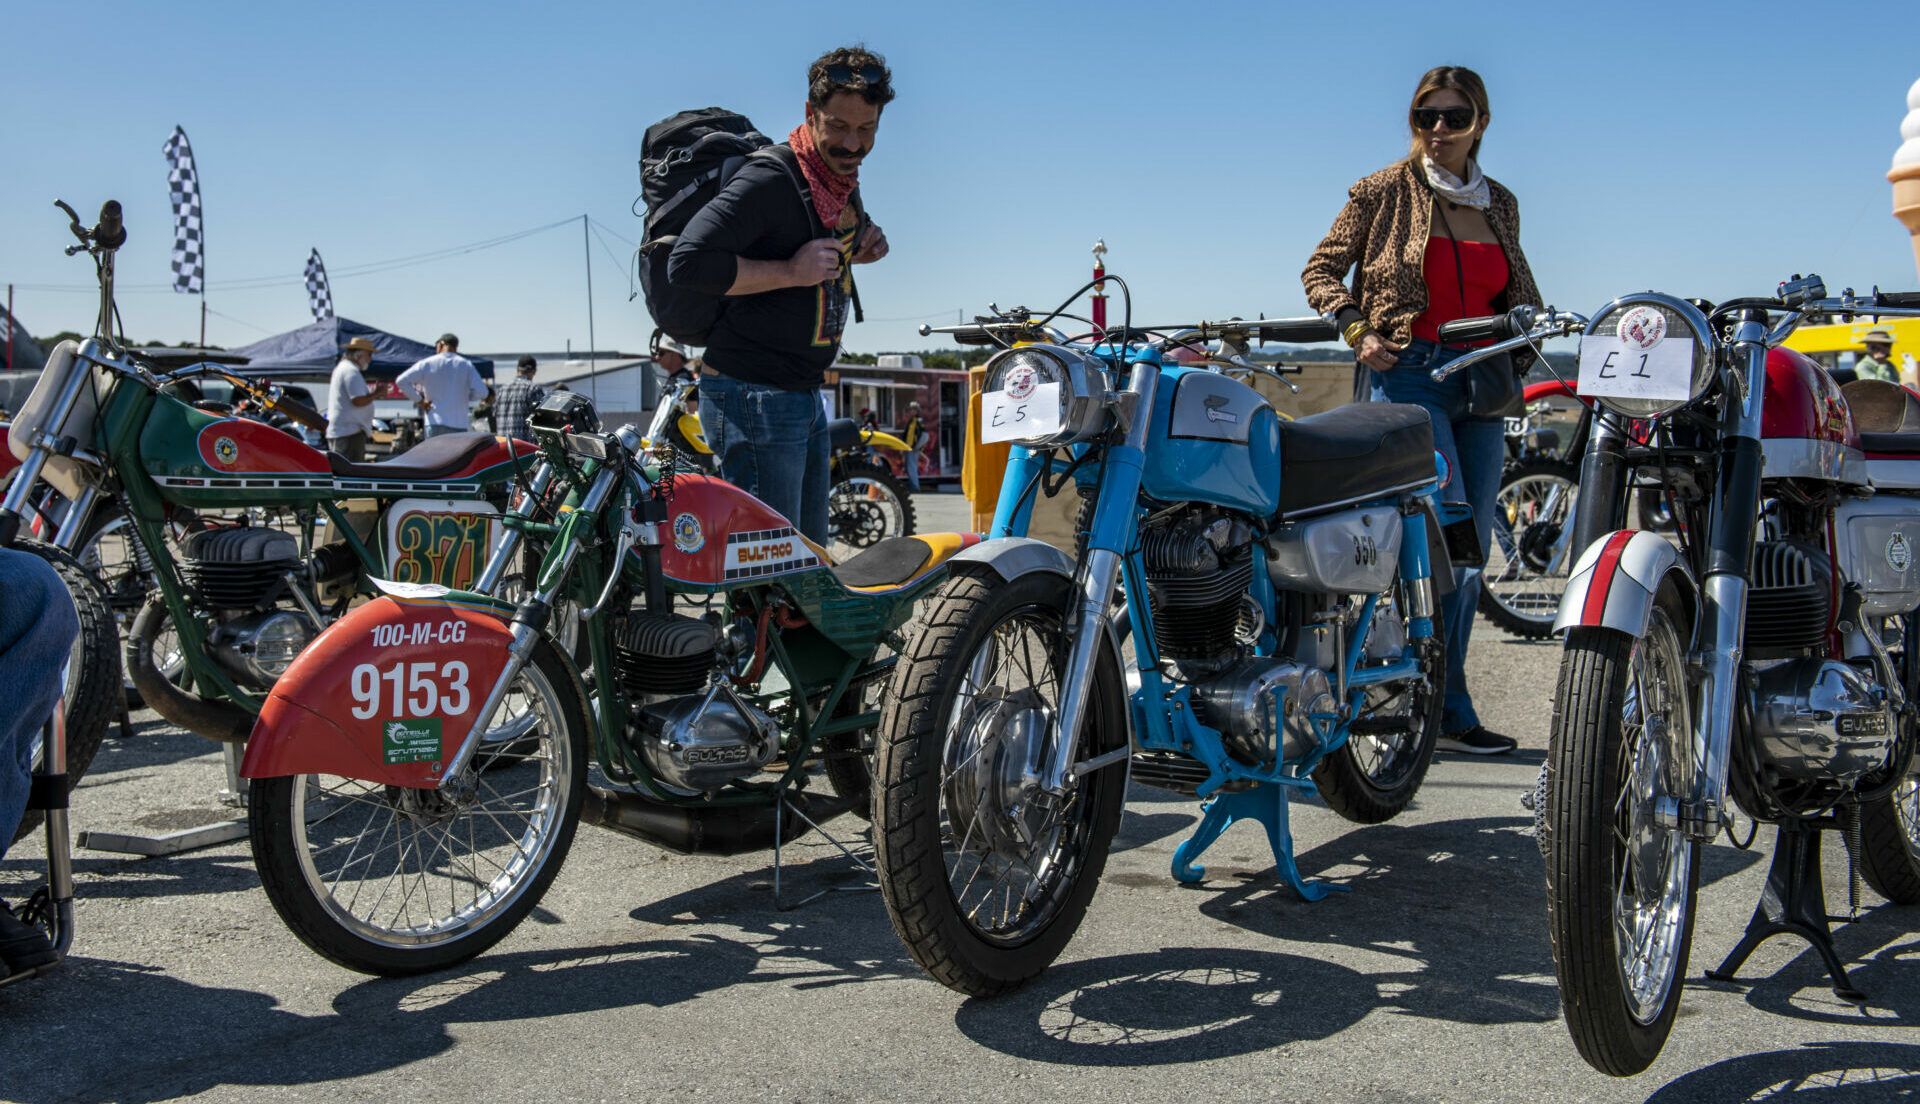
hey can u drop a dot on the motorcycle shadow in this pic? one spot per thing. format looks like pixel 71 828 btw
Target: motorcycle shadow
pixel 1461 906
pixel 1830 1073
pixel 215 1037
pixel 132 878
pixel 1168 1007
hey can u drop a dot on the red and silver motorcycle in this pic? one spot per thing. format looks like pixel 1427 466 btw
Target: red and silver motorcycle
pixel 1765 654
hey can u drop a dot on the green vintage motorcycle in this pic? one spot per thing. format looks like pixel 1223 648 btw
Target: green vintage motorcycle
pixel 252 541
pixel 419 771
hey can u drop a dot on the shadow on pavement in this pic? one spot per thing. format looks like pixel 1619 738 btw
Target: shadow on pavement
pixel 1890 978
pixel 1179 1005
pixel 1818 1073
pixel 167 1038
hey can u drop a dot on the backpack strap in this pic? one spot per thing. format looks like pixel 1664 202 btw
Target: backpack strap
pixel 790 161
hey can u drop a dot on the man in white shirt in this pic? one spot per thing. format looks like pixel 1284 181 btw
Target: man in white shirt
pixel 350 402
pixel 445 386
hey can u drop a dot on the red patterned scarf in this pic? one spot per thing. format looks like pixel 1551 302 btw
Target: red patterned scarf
pixel 830 190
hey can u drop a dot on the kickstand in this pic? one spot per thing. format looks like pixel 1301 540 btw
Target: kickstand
pixel 1266 803
pixel 1794 902
pixel 50 907
pixel 779 824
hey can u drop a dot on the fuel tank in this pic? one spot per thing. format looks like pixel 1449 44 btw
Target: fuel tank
pixel 719 536
pixel 1805 429
pixel 1213 440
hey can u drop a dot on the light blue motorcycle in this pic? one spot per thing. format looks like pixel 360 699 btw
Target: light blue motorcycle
pixel 1250 616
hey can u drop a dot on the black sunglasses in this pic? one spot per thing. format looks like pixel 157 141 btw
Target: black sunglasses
pixel 1458 118
pixel 840 73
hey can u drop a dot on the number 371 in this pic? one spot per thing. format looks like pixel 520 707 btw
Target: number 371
pixel 418 689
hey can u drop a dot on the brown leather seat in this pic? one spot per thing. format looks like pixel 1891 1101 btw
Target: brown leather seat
pixel 1885 415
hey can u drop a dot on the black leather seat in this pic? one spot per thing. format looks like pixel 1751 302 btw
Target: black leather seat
pixel 843 433
pixel 891 562
pixel 1885 415
pixel 435 458
pixel 1352 452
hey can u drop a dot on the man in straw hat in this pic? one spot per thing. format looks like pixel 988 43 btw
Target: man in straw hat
pixel 1877 361
pixel 350 401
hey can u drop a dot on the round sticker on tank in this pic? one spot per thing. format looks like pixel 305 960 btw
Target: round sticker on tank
pixel 1899 552
pixel 1643 327
pixel 1021 380
pixel 687 536
pixel 225 451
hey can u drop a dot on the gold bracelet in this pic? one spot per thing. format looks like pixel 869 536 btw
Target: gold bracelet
pixel 1355 331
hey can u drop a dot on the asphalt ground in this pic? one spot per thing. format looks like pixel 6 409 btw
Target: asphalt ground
pixel 649 976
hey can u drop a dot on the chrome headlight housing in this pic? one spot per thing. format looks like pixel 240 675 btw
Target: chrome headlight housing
pixel 1646 355
pixel 1043 397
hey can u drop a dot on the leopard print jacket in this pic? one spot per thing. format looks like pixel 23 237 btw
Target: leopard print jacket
pixel 1383 230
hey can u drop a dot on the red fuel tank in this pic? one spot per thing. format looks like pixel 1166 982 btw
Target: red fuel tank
pixel 1804 401
pixel 719 534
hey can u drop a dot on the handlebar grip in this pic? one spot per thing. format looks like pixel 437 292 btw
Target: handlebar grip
pixel 1898 299
pixel 1495 327
pixel 973 335
pixel 110 232
pixel 1303 331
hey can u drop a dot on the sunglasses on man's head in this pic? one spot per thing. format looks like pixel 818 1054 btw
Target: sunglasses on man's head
pixel 1428 118
pixel 844 74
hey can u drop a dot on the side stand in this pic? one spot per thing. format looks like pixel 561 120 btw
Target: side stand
pixel 1794 902
pixel 1265 803
pixel 51 906
pixel 779 826
pixel 186 839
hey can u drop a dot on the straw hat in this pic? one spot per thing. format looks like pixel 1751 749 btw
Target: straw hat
pixel 1876 337
pixel 359 345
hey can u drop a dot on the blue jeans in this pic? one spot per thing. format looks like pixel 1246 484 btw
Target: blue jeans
pixel 773 445
pixel 442 430
pixel 37 627
pixel 911 459
pixel 1476 453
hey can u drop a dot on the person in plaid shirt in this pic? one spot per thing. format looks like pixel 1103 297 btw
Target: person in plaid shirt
pixel 518 397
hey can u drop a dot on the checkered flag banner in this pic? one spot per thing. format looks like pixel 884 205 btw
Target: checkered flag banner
pixel 319 295
pixel 183 183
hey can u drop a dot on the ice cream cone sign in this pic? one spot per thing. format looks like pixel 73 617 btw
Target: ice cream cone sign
pixel 1905 174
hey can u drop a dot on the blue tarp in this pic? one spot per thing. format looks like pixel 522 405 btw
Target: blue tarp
pixel 315 349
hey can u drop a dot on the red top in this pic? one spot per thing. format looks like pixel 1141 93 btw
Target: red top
pixel 1484 264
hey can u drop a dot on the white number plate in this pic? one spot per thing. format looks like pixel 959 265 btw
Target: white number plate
pixel 1619 368
pixel 1003 417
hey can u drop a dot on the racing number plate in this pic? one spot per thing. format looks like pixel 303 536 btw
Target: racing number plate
pixel 1004 417
pixel 439 541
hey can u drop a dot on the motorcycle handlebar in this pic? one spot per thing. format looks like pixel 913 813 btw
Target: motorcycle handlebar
pixel 1910 299
pixel 110 232
pixel 1493 327
pixel 1299 331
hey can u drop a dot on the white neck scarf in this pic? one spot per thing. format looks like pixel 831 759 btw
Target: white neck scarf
pixel 1472 192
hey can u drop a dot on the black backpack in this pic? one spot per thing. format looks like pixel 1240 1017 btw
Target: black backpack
pixel 684 162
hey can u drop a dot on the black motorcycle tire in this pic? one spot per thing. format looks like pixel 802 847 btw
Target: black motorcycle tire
pixel 1590 766
pixel 1890 844
pixel 909 840
pixel 844 472
pixel 1529 625
pixel 275 815
pixel 1374 794
pixel 91 693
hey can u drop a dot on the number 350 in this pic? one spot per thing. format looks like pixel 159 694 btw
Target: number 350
pixel 415 693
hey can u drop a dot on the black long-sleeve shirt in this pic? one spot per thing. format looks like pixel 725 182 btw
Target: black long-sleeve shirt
pixel 785 338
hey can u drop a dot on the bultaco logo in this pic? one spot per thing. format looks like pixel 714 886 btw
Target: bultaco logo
pixel 687 536
pixel 1643 328
pixel 768 552
pixel 225 451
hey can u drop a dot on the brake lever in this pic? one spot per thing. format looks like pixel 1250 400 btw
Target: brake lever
pixel 1245 365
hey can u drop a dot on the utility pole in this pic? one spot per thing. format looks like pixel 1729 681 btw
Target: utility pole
pixel 10 325
pixel 593 383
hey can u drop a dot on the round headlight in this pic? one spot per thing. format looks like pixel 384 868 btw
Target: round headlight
pixel 1043 396
pixel 1646 355
pixel 275 642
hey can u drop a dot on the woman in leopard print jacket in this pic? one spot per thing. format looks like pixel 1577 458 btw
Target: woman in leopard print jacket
pixel 1430 239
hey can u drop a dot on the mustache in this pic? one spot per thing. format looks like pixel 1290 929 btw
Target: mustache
pixel 852 155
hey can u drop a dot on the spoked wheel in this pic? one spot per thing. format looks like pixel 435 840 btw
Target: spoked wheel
pixel 1890 827
pixel 1527 565
pixel 1620 886
pixel 985 876
pixel 1374 775
pixel 390 880
pixel 91 691
pixel 866 506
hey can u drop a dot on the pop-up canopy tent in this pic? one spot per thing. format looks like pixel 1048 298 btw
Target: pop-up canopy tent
pixel 26 354
pixel 315 349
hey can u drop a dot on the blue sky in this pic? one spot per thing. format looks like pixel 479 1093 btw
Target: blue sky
pixel 1706 149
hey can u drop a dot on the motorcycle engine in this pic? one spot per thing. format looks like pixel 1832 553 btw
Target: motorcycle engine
pixel 1790 604
pixel 1198 564
pixel 237 572
pixel 1262 705
pixel 696 736
pixel 1820 720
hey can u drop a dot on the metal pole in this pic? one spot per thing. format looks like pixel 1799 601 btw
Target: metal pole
pixel 593 382
pixel 203 320
pixel 10 325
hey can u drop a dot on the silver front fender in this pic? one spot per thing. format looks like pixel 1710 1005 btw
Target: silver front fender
pixel 1615 580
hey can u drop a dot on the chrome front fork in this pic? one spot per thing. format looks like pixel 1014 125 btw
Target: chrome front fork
pixel 510 537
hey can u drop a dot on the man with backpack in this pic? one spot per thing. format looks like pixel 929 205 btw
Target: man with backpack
pixel 776 243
